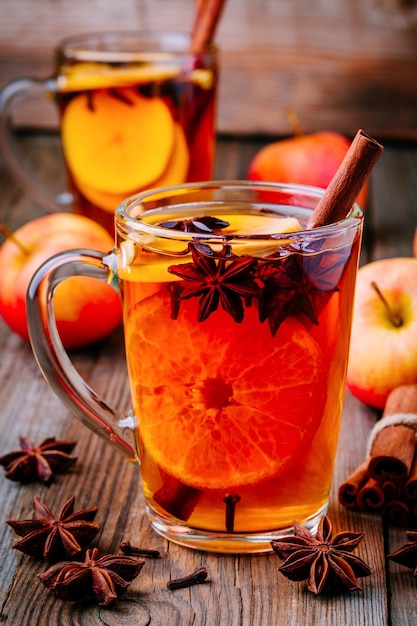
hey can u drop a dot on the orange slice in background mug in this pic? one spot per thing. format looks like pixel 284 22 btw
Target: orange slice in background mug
pixel 177 168
pixel 174 174
pixel 218 408
pixel 99 76
pixel 117 143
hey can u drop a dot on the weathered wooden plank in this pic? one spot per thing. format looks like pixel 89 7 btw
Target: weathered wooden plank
pixel 340 65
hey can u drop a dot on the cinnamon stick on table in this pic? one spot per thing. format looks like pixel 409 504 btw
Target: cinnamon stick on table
pixel 397 512
pixel 394 446
pixel 370 496
pixel 410 487
pixel 393 453
pixel 387 480
pixel 349 179
pixel 349 490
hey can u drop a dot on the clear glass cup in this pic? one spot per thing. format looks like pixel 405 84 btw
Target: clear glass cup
pixel 136 110
pixel 237 322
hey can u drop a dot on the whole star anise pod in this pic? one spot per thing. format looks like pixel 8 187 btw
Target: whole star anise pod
pixel 407 554
pixel 38 462
pixel 55 538
pixel 102 579
pixel 325 563
pixel 202 225
pixel 226 279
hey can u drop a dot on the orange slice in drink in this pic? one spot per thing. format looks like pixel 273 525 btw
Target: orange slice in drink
pixel 116 143
pixel 222 404
pixel 174 174
pixel 100 76
pixel 177 168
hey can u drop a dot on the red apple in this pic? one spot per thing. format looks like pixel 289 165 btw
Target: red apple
pixel 86 309
pixel 383 349
pixel 310 159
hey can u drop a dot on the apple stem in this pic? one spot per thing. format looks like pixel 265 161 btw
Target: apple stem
pixel 294 121
pixel 10 235
pixel 395 319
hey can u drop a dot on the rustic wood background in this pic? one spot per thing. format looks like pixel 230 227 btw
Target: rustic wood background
pixel 341 64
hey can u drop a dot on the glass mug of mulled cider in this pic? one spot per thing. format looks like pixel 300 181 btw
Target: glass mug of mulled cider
pixel 236 323
pixel 136 110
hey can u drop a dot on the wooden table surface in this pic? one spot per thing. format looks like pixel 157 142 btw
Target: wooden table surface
pixel 243 590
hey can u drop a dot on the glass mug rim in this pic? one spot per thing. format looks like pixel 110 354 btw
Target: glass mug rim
pixel 122 46
pixel 136 222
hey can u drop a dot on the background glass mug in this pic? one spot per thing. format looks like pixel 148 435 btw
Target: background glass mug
pixel 136 109
pixel 237 325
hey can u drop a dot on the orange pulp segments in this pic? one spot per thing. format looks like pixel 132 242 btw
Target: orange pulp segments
pixel 222 404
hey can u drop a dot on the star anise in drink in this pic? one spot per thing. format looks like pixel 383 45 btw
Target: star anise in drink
pixel 326 563
pixel 203 225
pixel 32 463
pixel 297 285
pixel 221 278
pixel 55 538
pixel 407 554
pixel 103 579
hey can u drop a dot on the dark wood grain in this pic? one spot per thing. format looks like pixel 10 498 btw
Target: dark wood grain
pixel 243 590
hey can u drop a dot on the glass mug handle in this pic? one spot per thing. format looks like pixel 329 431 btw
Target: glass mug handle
pixel 11 94
pixel 51 356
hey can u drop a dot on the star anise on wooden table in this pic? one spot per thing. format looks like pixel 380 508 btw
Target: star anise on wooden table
pixel 55 538
pixel 103 579
pixel 32 463
pixel 326 563
pixel 226 279
pixel 407 554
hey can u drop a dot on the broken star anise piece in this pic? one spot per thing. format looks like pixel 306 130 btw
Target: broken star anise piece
pixel 202 225
pixel 325 563
pixel 102 579
pixel 407 554
pixel 38 462
pixel 55 538
pixel 226 279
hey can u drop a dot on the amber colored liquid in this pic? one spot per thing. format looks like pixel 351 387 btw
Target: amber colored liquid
pixel 103 124
pixel 302 380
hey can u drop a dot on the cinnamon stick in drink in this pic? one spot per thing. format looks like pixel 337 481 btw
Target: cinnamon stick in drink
pixel 349 179
pixel 199 9
pixel 207 16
